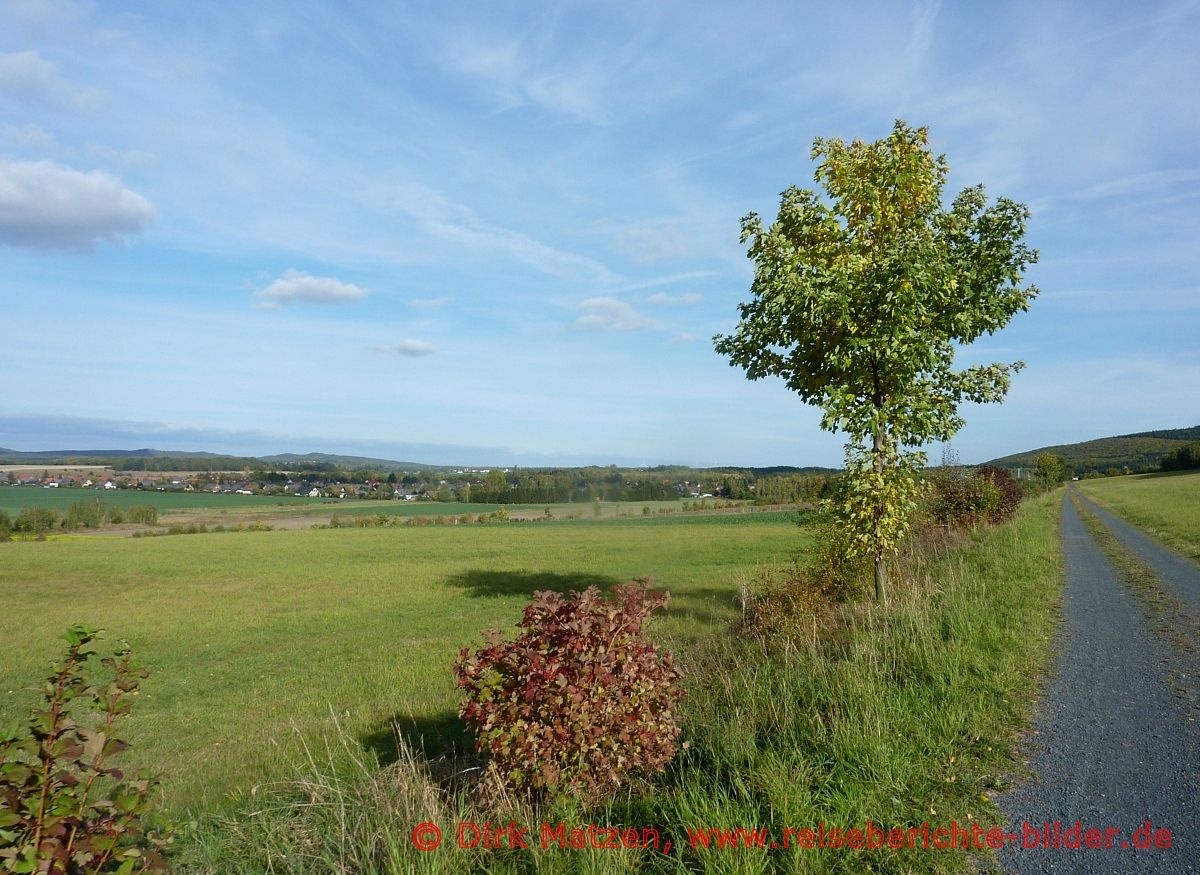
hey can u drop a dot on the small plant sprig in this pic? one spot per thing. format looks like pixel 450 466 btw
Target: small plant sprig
pixel 64 808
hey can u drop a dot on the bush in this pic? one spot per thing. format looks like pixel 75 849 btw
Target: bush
pixel 36 520
pixel 142 513
pixel 1007 493
pixel 785 603
pixel 64 808
pixel 6 525
pixel 83 515
pixel 986 495
pixel 579 702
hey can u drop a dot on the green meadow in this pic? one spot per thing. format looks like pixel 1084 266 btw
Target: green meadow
pixel 14 498
pixel 1165 506
pixel 259 641
pixel 209 505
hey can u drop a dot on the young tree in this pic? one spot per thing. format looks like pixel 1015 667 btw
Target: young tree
pixel 1051 469
pixel 858 302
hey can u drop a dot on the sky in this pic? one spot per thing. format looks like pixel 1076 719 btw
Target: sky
pixel 506 233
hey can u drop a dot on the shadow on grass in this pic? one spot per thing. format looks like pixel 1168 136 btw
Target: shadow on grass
pixel 709 604
pixel 480 582
pixel 713 605
pixel 444 736
pixel 441 745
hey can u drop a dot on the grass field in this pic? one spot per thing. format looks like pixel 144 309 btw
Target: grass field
pixel 297 512
pixel 14 498
pixel 251 637
pixel 1165 506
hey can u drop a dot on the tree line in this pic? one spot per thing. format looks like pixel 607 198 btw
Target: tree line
pixel 38 521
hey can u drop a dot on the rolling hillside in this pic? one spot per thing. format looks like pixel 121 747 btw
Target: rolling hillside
pixel 1134 451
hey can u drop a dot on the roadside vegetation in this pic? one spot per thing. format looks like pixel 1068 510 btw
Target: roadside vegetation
pixel 1163 506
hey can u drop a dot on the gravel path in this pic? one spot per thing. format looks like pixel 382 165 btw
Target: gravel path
pixel 1177 572
pixel 1113 747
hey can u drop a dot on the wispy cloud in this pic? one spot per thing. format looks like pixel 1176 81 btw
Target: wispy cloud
pixel 29 137
pixel 128 157
pixel 610 314
pixel 684 299
pixel 48 206
pixel 407 349
pixel 514 74
pixel 442 217
pixel 294 287
pixel 681 338
pixel 1140 300
pixel 30 78
pixel 429 303
pixel 649 243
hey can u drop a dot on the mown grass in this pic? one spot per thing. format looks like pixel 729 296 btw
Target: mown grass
pixel 902 715
pixel 1165 506
pixel 255 640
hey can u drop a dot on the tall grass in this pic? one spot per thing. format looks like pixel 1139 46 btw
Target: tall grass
pixel 899 715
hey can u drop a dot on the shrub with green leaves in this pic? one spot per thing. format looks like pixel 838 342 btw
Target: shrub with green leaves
pixel 36 520
pixel 579 702
pixel 65 809
pixel 986 495
pixel 142 513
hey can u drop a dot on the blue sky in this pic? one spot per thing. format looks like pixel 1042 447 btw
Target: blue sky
pixel 498 233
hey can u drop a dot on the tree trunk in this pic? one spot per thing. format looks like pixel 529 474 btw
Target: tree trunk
pixel 880 568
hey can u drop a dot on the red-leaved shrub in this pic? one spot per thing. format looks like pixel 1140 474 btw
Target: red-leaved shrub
pixel 579 701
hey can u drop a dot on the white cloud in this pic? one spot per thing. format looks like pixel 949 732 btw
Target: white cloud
pixel 295 287
pixel 681 338
pixel 408 349
pixel 685 299
pixel 609 314
pixel 648 243
pixel 46 205
pixel 29 77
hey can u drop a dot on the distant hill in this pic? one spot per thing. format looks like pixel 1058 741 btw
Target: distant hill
pixel 348 462
pixel 67 457
pixel 187 460
pixel 1143 449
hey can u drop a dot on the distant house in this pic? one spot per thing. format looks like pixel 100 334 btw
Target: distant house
pixel 314 493
pixel 108 484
